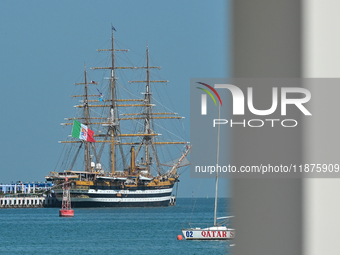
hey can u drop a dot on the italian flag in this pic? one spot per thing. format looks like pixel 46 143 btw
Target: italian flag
pixel 82 132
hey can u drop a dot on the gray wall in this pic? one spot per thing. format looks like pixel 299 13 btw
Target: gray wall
pixel 321 58
pixel 267 43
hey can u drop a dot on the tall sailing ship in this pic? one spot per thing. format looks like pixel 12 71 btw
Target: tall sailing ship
pixel 126 137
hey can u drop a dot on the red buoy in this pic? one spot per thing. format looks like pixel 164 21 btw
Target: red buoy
pixel 66 213
pixel 66 210
pixel 179 237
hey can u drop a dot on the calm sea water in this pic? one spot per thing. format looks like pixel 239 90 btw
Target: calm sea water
pixel 110 230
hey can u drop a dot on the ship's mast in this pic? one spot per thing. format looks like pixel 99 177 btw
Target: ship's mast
pixel 112 110
pixel 149 134
pixel 86 116
pixel 85 119
pixel 113 116
pixel 113 123
pixel 148 108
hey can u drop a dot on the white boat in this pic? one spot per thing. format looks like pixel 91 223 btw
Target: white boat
pixel 220 230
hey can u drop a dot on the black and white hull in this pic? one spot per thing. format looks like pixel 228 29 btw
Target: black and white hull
pixel 119 197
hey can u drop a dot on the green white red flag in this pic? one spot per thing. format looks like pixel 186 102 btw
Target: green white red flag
pixel 82 132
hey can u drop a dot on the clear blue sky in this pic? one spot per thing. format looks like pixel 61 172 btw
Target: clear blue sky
pixel 44 45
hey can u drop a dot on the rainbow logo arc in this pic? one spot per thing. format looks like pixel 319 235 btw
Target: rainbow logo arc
pixel 209 93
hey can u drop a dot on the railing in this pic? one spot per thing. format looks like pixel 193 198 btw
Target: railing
pixel 199 225
pixel 222 221
pixel 25 202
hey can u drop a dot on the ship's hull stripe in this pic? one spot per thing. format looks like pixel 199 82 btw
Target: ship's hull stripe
pixel 155 191
pixel 119 200
pixel 122 195
pixel 131 188
pixel 123 192
pixel 116 204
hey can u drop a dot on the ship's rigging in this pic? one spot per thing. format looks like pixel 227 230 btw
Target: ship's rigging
pixel 142 153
